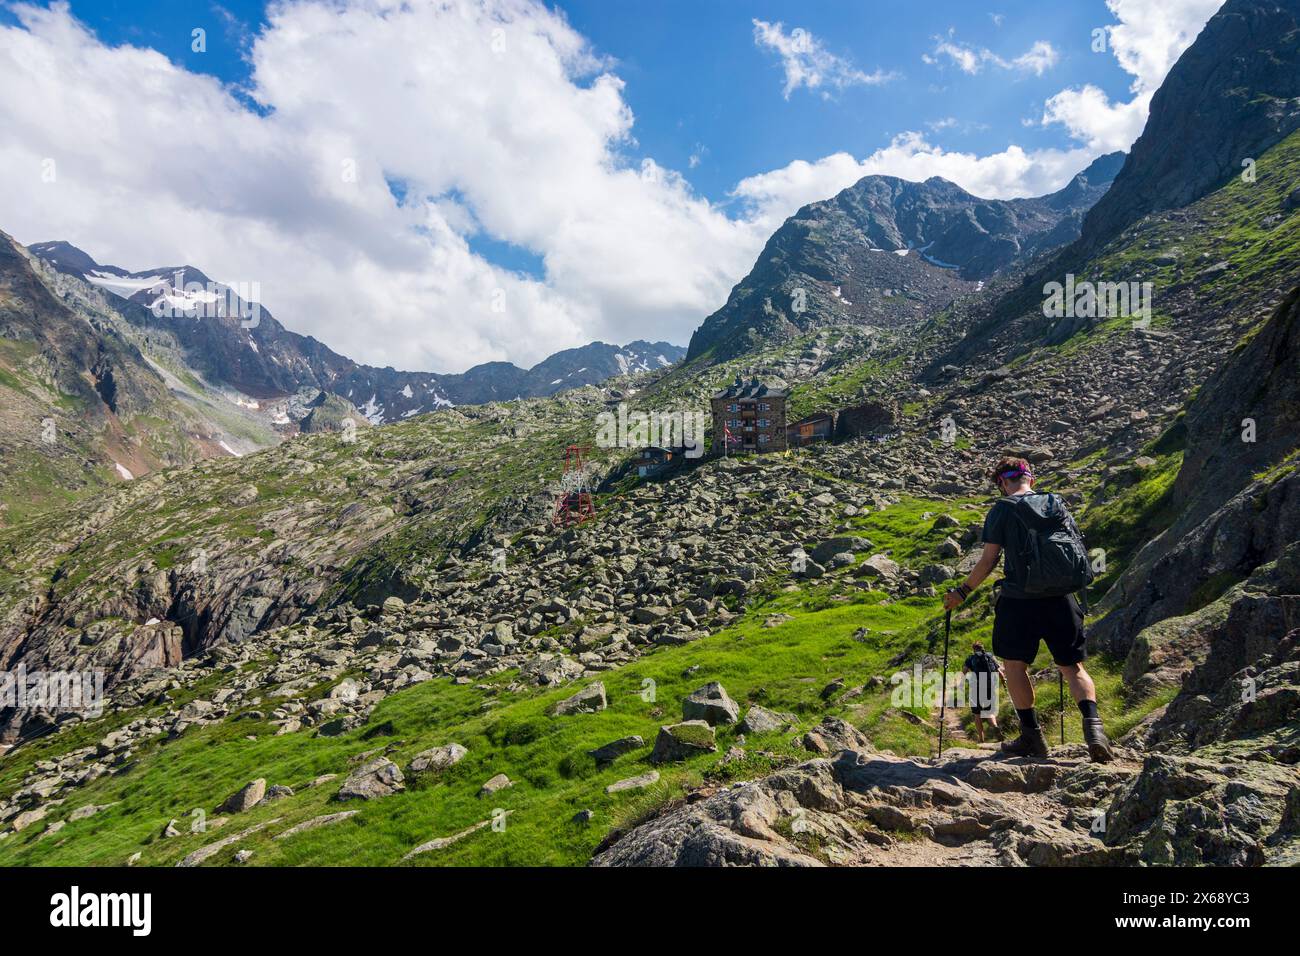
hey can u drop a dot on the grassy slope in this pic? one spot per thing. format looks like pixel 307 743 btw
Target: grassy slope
pixel 783 667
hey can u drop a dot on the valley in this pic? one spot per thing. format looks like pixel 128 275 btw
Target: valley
pixel 364 641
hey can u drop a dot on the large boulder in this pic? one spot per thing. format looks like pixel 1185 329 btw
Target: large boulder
pixel 246 798
pixel 1184 811
pixel 828 550
pixel 711 704
pixel 760 720
pixel 834 734
pixel 376 778
pixel 683 741
pixel 497 783
pixel 869 420
pixel 438 758
pixel 589 700
pixel 879 566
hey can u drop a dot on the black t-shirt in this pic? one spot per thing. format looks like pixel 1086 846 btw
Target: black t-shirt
pixel 1004 528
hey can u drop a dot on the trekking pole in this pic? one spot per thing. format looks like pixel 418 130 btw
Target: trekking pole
pixel 1060 689
pixel 943 700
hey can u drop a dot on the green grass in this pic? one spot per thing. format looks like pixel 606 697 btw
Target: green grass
pixel 1126 512
pixel 836 628
pixel 783 668
pixel 907 531
pixel 840 388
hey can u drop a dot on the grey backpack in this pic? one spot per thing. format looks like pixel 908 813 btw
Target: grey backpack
pixel 1056 559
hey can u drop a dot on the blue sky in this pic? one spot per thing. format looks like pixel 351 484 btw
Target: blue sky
pixel 432 187
pixel 699 85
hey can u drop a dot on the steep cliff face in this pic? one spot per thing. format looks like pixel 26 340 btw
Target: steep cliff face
pixel 885 251
pixel 1233 94
pixel 79 404
pixel 1238 489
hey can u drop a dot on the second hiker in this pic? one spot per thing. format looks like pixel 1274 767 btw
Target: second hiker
pixel 1045 562
pixel 982 673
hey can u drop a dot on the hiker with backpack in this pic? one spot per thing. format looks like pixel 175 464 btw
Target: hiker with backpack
pixel 1045 564
pixel 982 672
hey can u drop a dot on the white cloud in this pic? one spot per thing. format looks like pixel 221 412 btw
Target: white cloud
pixel 807 62
pixel 496 117
pixel 1150 37
pixel 1011 173
pixel 1146 42
pixel 498 120
pixel 964 58
pixel 1038 59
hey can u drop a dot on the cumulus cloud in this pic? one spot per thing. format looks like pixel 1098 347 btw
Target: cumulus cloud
pixel 376 141
pixel 493 117
pixel 808 63
pixel 1012 173
pixel 1148 39
pixel 1038 59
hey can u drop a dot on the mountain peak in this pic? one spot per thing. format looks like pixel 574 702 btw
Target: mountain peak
pixel 884 248
pixel 1232 94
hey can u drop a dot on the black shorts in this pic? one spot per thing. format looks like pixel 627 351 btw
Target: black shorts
pixel 1020 623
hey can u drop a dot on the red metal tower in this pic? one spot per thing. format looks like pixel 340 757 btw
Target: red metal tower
pixel 574 504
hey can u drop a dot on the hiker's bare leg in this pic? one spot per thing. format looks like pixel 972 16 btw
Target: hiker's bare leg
pixel 1019 684
pixel 1081 685
pixel 979 728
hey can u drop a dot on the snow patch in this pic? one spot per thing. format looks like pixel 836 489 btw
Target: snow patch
pixel 122 286
pixel 185 300
pixel 373 411
pixel 124 472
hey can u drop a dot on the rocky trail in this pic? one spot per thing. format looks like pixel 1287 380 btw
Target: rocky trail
pixel 862 807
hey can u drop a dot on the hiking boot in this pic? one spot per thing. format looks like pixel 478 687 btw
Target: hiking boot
pixel 1030 743
pixel 1098 746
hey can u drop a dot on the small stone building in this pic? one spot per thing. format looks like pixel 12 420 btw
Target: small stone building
pixel 653 459
pixel 817 427
pixel 752 414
